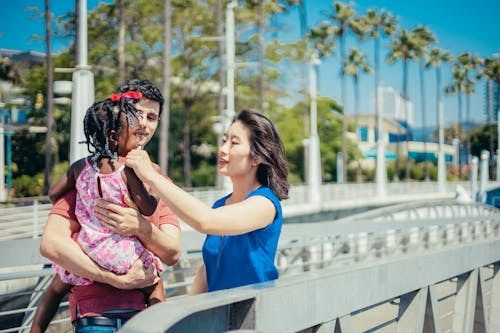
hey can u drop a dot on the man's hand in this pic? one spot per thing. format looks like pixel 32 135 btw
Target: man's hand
pixel 138 276
pixel 126 221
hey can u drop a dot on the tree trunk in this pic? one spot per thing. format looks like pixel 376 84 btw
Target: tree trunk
pixel 186 143
pixel 344 115
pixel 490 86
pixel 121 41
pixel 165 117
pixel 405 97
pixel 221 77
pixel 459 134
pixel 261 55
pixel 50 100
pixel 467 129
pixel 77 28
pixel 424 117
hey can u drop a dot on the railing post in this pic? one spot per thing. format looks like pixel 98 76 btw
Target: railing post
pixel 473 179
pixel 411 312
pixel 494 324
pixel 483 178
pixel 463 317
pixel 35 218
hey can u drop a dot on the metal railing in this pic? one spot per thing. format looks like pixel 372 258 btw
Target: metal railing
pixel 407 272
pixel 28 221
pixel 359 242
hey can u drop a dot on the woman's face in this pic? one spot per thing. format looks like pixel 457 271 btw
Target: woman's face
pixel 142 131
pixel 234 152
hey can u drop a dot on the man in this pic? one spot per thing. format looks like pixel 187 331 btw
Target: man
pixel 114 298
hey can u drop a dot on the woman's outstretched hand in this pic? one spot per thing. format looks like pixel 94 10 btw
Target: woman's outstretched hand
pixel 139 160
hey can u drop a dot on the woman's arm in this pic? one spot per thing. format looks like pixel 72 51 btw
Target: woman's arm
pixel 251 214
pixel 58 246
pixel 200 284
pixel 164 242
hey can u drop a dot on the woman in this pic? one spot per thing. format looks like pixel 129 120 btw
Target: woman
pixel 243 227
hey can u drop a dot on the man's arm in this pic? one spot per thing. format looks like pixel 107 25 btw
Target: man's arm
pixel 58 246
pixel 163 241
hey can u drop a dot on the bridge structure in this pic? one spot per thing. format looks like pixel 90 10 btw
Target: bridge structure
pixel 423 261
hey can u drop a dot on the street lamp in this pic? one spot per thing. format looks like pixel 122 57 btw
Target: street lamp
pixel 314 157
pixel 230 50
pixel 441 158
pixel 381 171
pixel 83 89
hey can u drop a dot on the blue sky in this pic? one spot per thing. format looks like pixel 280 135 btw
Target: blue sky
pixel 460 25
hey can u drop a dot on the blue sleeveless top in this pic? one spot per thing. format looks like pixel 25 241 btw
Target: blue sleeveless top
pixel 233 261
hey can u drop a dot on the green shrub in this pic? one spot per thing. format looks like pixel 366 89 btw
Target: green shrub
pixel 28 186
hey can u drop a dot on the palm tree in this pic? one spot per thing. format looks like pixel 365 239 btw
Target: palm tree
pixel 456 87
pixel 423 39
pixel 404 47
pixel 379 24
pixel 436 58
pixel 9 71
pixel 165 118
pixel 50 99
pixel 490 69
pixel 355 63
pixel 341 18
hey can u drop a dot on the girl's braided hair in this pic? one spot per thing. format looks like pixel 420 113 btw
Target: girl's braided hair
pixel 102 118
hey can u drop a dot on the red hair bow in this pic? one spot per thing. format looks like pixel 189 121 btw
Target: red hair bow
pixel 129 94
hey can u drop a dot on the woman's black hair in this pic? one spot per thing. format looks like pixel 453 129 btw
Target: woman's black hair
pixel 267 147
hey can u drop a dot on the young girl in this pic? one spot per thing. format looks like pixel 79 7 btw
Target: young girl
pixel 110 131
pixel 243 227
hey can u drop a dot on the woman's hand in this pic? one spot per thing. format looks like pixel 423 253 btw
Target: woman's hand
pixel 125 221
pixel 139 160
pixel 138 276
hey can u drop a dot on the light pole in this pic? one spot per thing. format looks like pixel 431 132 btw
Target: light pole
pixel 381 171
pixel 441 159
pixel 314 157
pixel 498 144
pixel 83 89
pixel 229 112
pixel 2 156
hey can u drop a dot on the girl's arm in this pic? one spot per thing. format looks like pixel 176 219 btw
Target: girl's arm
pixel 67 182
pixel 251 214
pixel 47 308
pixel 145 202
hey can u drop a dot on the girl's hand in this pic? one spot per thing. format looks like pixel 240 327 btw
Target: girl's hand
pixel 139 160
pixel 125 221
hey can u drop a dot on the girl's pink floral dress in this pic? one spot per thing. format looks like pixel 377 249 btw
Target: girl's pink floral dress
pixel 112 251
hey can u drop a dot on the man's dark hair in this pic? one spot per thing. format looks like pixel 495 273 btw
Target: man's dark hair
pixel 146 87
